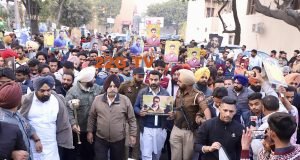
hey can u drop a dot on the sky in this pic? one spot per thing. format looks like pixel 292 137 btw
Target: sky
pixel 143 4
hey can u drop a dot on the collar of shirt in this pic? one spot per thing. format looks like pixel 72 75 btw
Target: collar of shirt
pixel 7 112
pixel 150 90
pixel 265 118
pixel 284 151
pixel 110 101
pixel 217 110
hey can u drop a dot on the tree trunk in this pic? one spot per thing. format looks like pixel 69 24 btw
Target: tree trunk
pixel 237 37
pixel 34 26
pixel 59 12
pixel 237 30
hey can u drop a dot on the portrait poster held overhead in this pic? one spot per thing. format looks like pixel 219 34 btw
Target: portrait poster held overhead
pixel 171 51
pixel 10 63
pixel 214 43
pixel 193 57
pixel 153 35
pixel 49 39
pixel 157 105
pixel 273 71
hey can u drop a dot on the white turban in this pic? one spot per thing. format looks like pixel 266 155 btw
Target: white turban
pixel 86 74
pixel 187 77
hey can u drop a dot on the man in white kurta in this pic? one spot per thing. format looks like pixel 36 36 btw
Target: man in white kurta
pixel 43 116
pixel 47 113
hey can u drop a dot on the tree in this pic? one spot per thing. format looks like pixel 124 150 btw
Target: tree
pixel 237 30
pixel 172 11
pixel 107 9
pixel 76 13
pixel 286 10
pixel 33 8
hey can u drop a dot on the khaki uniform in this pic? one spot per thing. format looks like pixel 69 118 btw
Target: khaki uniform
pixel 182 137
pixel 131 90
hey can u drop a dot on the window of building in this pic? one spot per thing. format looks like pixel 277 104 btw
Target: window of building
pixel 250 8
pixel 230 39
pixel 210 12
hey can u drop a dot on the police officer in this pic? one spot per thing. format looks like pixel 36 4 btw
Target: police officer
pixel 131 90
pixel 191 110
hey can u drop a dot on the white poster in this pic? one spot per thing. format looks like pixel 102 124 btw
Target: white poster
pixel 154 20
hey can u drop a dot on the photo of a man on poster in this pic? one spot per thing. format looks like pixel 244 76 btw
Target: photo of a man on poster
pixel 153 35
pixel 214 43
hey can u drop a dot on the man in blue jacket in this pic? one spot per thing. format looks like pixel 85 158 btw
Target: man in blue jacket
pixel 153 133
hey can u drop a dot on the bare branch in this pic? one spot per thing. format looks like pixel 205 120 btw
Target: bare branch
pixel 289 17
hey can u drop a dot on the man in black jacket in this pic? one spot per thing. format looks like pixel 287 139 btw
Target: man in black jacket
pixel 220 132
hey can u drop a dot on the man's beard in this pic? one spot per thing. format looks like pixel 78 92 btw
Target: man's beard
pixel 219 73
pixel 66 86
pixel 138 82
pixel 111 94
pixel 127 75
pixel 255 88
pixel 153 86
pixel 89 84
pixel 202 86
pixel 238 89
pixel 43 98
pixel 182 87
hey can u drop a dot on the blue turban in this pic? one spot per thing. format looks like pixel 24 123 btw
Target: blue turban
pixel 58 43
pixel 242 79
pixel 40 81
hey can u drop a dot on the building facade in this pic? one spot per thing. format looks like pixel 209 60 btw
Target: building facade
pixel 257 30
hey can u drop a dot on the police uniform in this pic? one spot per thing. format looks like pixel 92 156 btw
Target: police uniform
pixel 131 90
pixel 182 135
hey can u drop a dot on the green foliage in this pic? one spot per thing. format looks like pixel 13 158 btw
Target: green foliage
pixel 76 13
pixel 172 11
pixel 47 8
pixel 108 8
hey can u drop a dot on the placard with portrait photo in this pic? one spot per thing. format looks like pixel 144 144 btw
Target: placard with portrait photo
pixel 10 63
pixel 193 57
pixel 171 51
pixel 214 43
pixel 157 105
pixel 153 35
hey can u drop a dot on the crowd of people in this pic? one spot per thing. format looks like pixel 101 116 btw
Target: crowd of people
pixel 56 104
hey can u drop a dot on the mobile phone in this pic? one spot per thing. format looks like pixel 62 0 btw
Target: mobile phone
pixel 258 134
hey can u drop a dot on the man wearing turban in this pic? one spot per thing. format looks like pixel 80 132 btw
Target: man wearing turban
pixel 9 106
pixel 85 90
pixel 202 75
pixel 190 103
pixel 109 113
pixel 47 113
pixel 240 92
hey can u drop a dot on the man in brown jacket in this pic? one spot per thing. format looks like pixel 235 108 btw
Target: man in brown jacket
pixel 109 114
